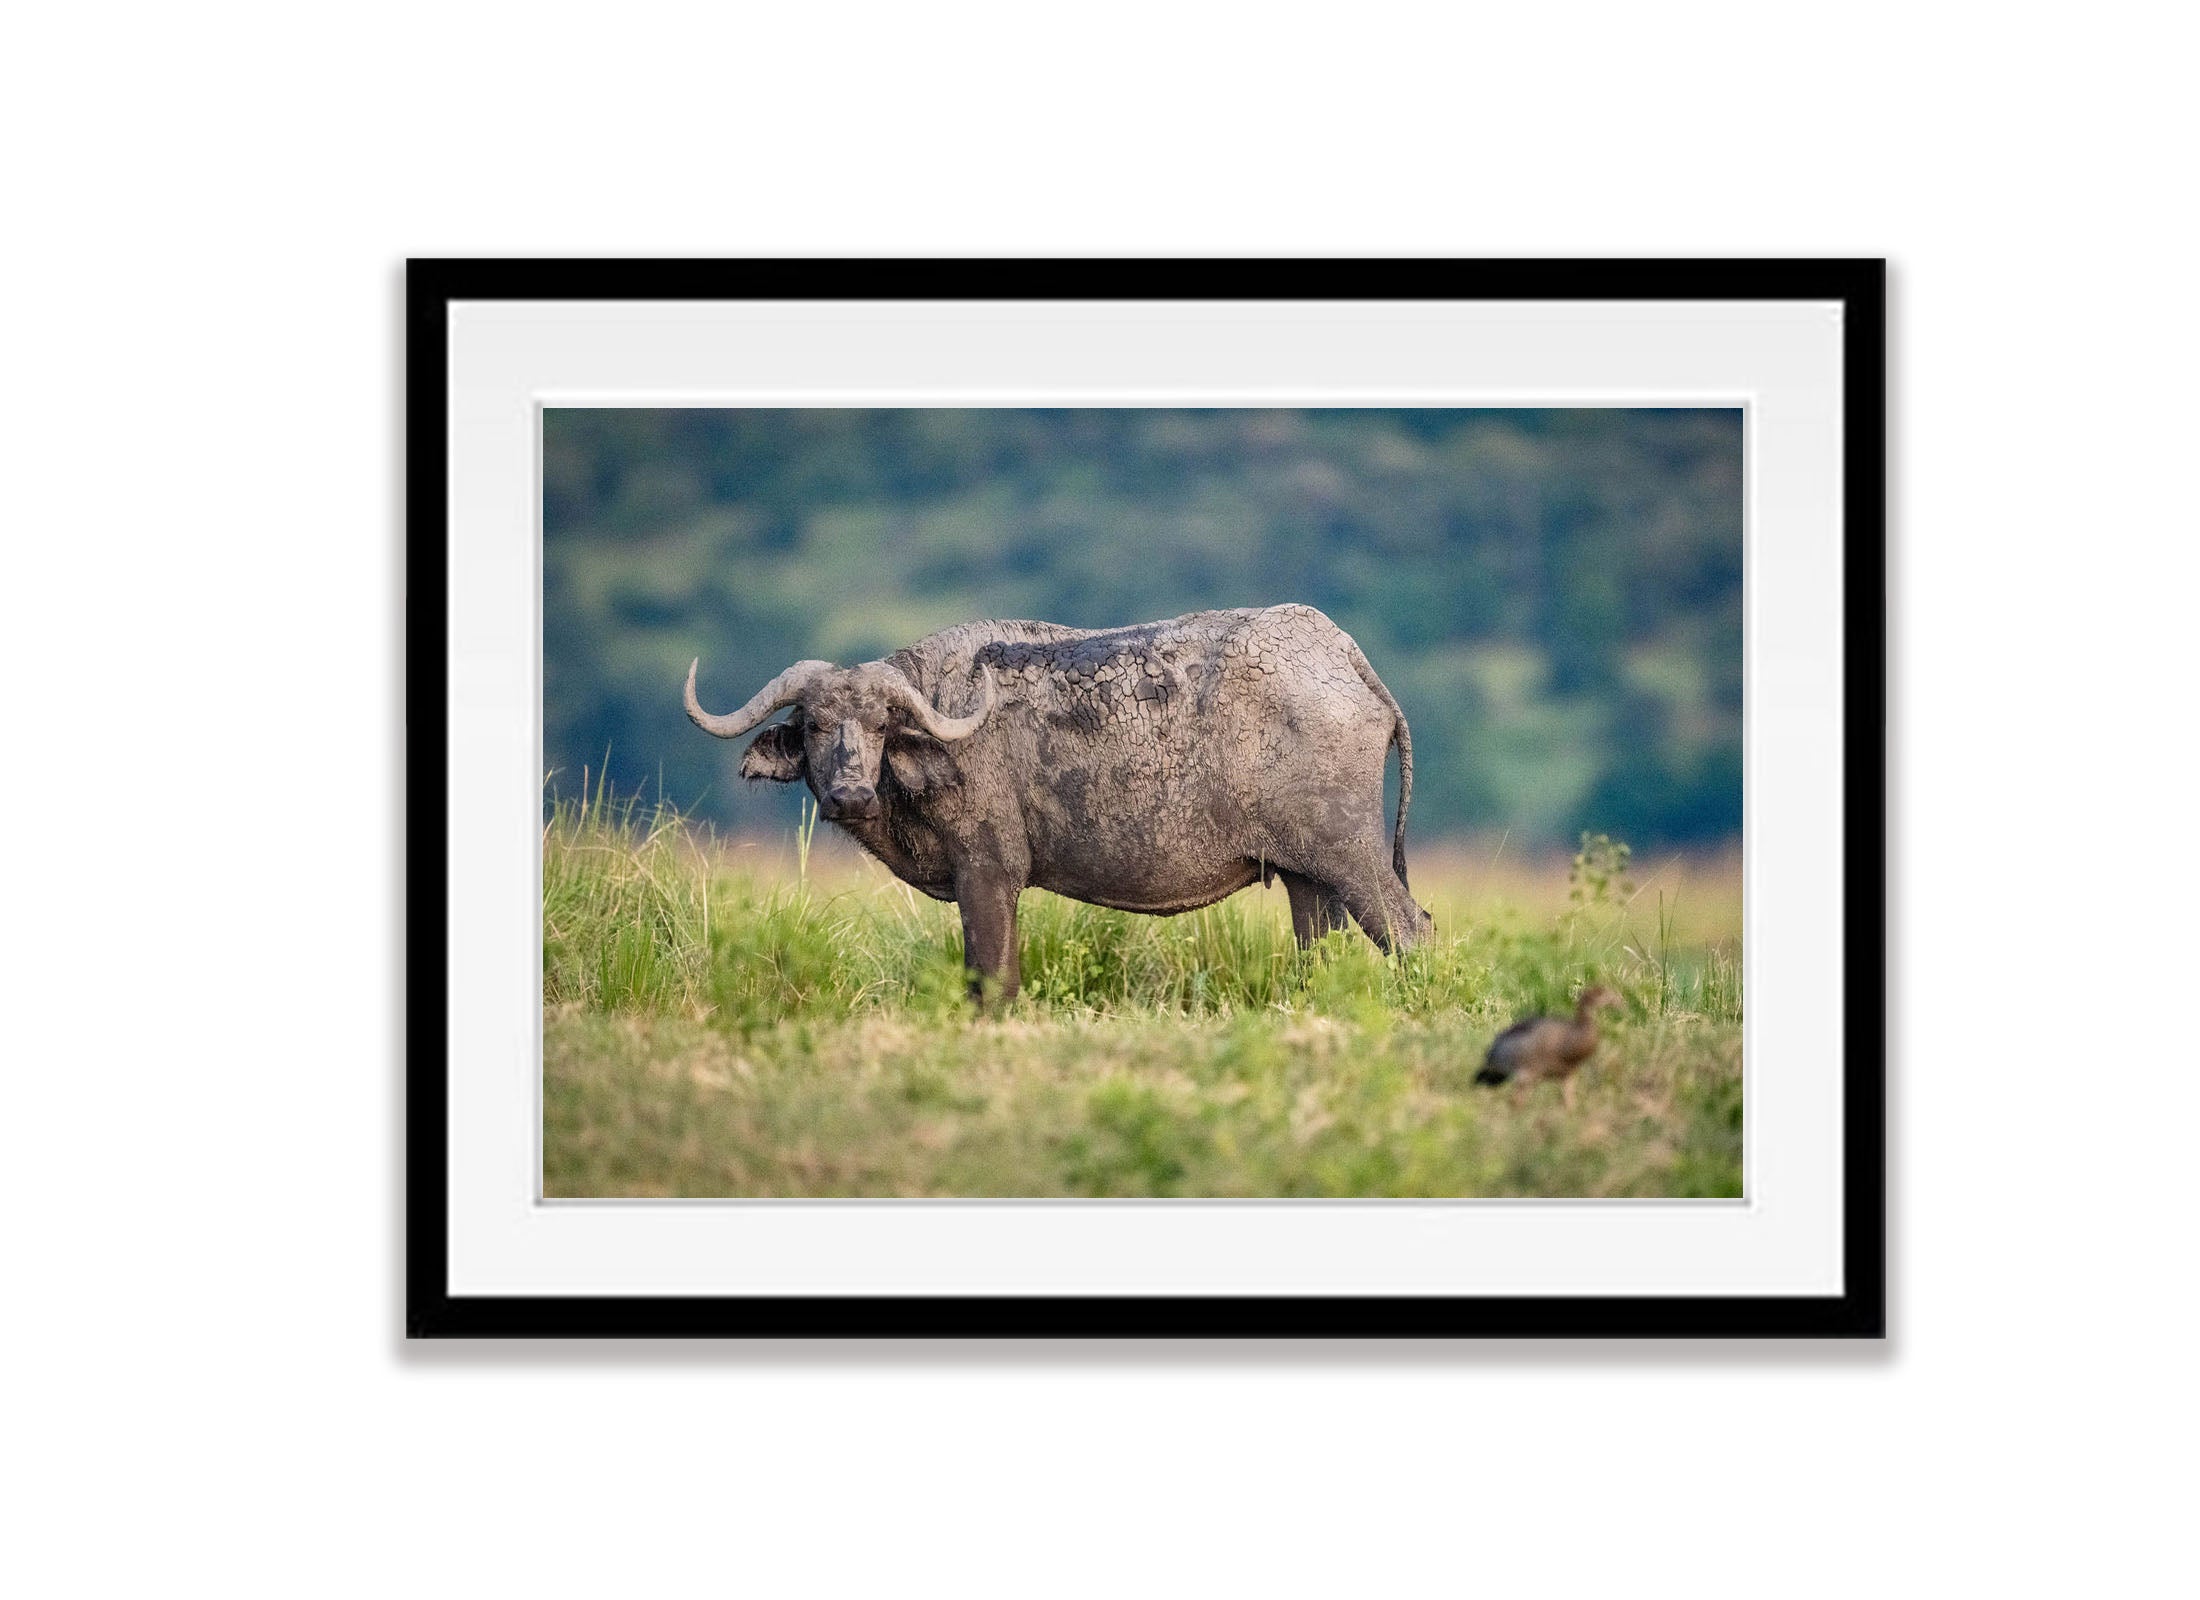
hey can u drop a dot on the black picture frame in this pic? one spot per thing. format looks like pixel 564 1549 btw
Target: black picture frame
pixel 432 1311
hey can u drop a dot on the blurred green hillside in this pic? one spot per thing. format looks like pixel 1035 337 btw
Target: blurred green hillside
pixel 1555 596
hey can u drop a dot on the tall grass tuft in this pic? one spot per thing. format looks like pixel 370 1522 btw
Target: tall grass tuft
pixel 626 903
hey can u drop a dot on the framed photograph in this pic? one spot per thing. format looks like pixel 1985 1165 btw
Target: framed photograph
pixel 1146 798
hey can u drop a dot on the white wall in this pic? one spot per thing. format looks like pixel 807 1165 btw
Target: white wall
pixel 207 208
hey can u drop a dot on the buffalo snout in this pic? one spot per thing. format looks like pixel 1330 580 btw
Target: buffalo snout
pixel 850 803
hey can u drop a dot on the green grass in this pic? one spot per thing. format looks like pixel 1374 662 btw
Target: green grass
pixel 717 1025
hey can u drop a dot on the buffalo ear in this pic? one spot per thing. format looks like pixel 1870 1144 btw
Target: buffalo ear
pixel 776 753
pixel 920 764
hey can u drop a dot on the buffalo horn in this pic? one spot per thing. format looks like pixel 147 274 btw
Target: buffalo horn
pixel 783 690
pixel 944 728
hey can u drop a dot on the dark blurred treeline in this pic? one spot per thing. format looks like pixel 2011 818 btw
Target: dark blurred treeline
pixel 1555 596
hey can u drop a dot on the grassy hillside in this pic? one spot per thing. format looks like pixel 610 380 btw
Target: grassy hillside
pixel 723 1019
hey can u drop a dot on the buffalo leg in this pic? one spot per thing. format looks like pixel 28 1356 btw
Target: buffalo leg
pixel 1380 904
pixel 988 906
pixel 1314 910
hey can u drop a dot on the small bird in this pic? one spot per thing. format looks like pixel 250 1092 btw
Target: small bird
pixel 1543 1048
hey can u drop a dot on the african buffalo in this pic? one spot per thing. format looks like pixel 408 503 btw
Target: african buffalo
pixel 1154 768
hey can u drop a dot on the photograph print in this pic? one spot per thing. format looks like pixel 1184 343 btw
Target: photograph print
pixel 1102 802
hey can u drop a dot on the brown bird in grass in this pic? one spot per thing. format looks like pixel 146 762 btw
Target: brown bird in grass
pixel 1543 1048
